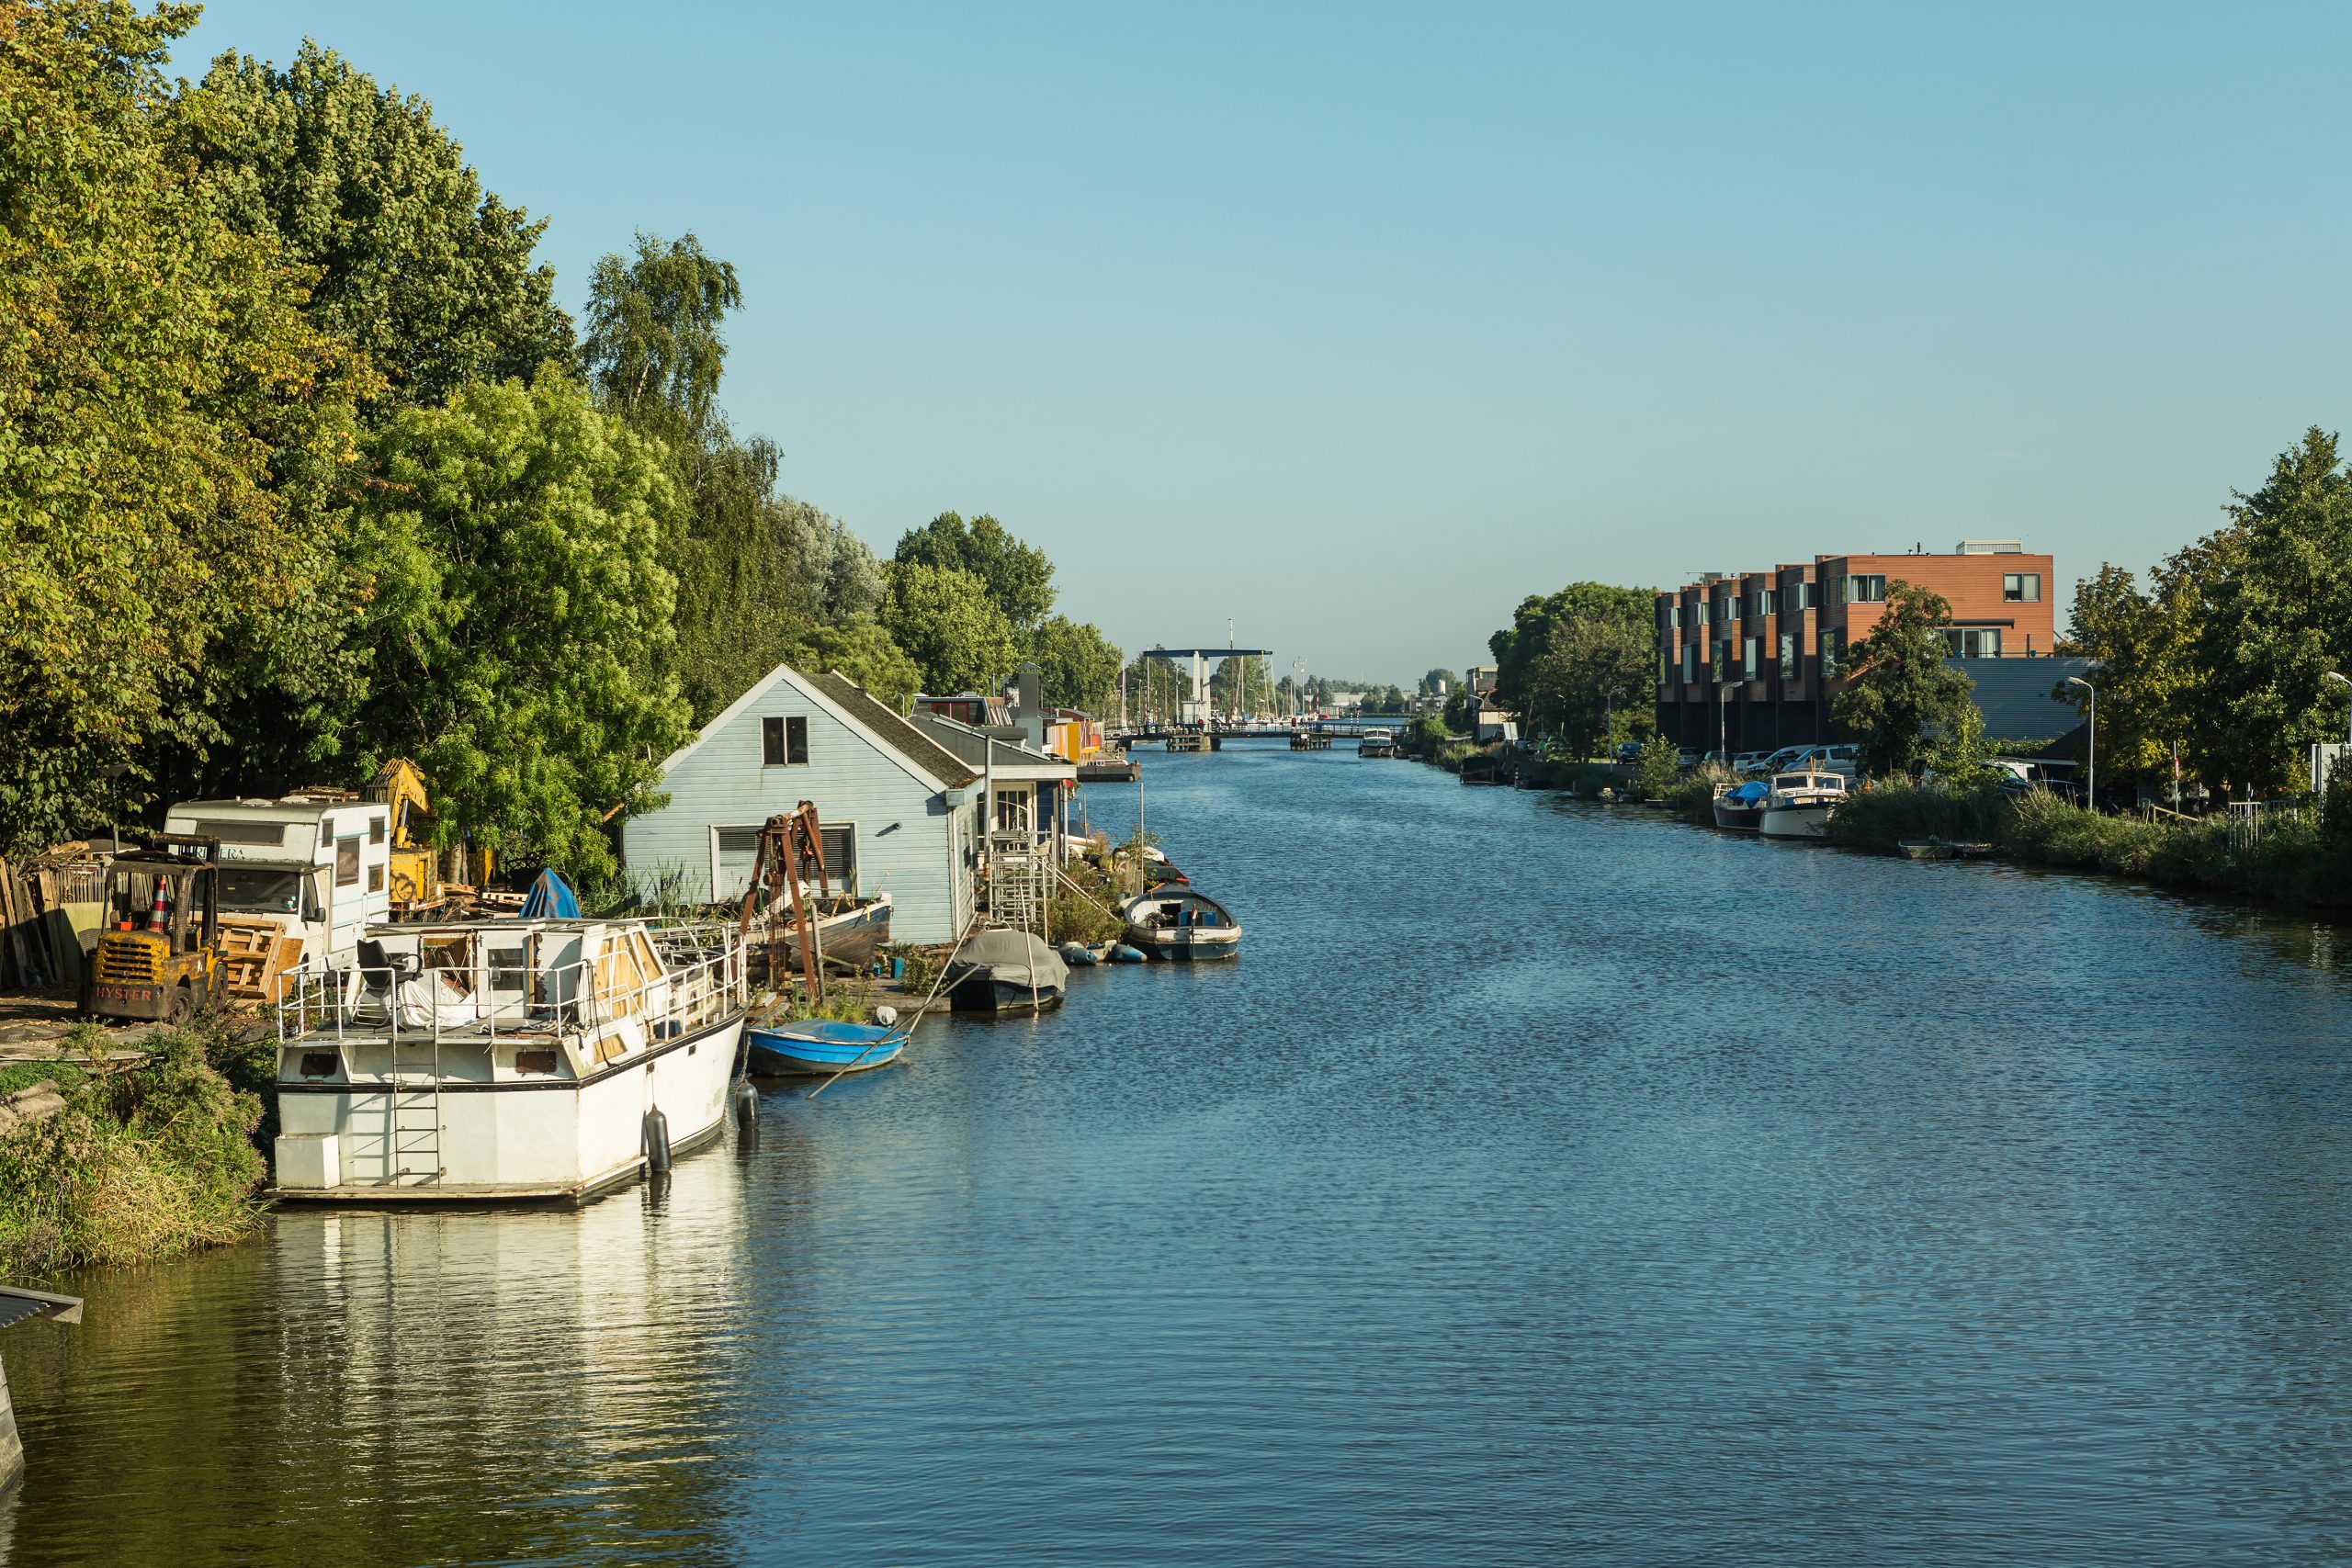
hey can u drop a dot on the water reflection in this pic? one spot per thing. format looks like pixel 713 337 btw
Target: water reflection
pixel 366 1386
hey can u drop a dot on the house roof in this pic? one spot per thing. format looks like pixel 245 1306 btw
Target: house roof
pixel 891 729
pixel 855 707
pixel 979 749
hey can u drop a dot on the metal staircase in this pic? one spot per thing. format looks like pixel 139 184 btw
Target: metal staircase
pixel 1016 880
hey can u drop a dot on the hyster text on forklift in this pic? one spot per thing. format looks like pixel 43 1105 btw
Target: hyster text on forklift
pixel 159 953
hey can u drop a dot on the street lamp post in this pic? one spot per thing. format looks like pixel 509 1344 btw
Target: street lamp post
pixel 2092 790
pixel 2319 786
pixel 1723 711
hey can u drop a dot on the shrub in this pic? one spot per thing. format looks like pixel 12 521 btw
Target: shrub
pixel 148 1159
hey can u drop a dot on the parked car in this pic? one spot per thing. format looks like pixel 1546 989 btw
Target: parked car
pixel 1629 750
pixel 1750 761
pixel 1686 757
pixel 1786 757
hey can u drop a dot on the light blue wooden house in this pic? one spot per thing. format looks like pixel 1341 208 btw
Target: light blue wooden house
pixel 899 811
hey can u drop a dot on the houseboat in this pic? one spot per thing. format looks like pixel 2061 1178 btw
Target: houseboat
pixel 504 1060
pixel 1798 805
pixel 1178 923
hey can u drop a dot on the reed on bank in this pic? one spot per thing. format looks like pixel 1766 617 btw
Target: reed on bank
pixel 146 1159
pixel 2298 856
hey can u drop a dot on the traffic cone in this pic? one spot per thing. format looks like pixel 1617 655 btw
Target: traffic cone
pixel 155 914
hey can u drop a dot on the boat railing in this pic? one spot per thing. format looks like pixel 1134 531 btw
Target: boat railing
pixel 701 978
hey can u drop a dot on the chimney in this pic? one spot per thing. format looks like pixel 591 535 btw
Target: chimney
pixel 1028 684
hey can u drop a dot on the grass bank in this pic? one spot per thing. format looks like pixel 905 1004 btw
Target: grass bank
pixel 147 1159
pixel 2302 858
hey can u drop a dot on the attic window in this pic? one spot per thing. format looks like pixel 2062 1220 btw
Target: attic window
pixel 784 742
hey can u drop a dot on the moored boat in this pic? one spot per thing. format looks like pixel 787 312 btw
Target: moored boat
pixel 821 1045
pixel 504 1060
pixel 1799 804
pixel 1181 923
pixel 850 931
pixel 1377 743
pixel 1005 971
pixel 1740 808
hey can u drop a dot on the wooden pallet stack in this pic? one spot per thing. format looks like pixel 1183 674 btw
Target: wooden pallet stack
pixel 256 958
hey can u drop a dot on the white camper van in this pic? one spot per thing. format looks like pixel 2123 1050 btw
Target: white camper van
pixel 313 865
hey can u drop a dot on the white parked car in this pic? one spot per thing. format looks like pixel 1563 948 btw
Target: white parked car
pixel 1750 761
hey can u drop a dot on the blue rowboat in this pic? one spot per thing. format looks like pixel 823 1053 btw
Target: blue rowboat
pixel 822 1046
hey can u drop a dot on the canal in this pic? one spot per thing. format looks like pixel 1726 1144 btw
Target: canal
pixel 1545 1182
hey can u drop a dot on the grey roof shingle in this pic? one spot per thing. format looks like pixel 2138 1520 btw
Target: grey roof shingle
pixel 895 732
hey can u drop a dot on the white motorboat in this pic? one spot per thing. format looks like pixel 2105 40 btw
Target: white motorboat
pixel 1798 804
pixel 505 1060
pixel 1173 923
pixel 1377 743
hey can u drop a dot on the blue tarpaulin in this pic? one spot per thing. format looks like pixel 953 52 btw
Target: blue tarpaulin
pixel 551 898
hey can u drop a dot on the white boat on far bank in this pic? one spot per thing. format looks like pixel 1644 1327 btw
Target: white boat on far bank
pixel 1799 804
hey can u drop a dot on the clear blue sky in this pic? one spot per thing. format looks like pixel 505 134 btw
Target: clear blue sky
pixel 1355 323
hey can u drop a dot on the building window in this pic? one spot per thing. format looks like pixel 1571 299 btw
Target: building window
pixel 784 742
pixel 2021 587
pixel 1830 648
pixel 1674 617
pixel 1690 663
pixel 1787 656
pixel 346 861
pixel 1716 664
pixel 375 879
pixel 1973 642
pixel 1747 661
pixel 375 829
pixel 1759 605
pixel 1865 588
pixel 1702 607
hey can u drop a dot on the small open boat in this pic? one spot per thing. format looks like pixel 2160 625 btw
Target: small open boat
pixel 1178 923
pixel 850 931
pixel 822 1046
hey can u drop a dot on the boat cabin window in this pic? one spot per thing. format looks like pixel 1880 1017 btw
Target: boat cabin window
pixel 261 890
pixel 346 861
pixel 784 742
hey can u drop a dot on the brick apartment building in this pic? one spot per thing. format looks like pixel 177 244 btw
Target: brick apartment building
pixel 1752 657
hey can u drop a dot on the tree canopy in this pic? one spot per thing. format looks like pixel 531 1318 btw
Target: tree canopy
pixel 411 262
pixel 1901 696
pixel 1078 666
pixel 520 619
pixel 170 420
pixel 2227 649
pixel 949 626
pixel 1018 578
pixel 1563 653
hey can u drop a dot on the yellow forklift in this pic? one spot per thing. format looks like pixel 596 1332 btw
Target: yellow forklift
pixel 159 952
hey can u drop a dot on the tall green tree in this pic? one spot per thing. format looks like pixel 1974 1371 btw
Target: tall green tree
pixel 2142 646
pixel 949 626
pixel 1439 680
pixel 655 350
pixel 172 426
pixel 519 616
pixel 1019 578
pixel 1901 695
pixel 1078 666
pixel 410 259
pixel 1565 690
pixel 860 648
pixel 2276 616
pixel 1587 638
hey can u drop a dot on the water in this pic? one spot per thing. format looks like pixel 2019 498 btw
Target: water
pixel 1546 1182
